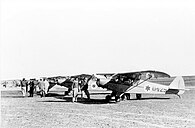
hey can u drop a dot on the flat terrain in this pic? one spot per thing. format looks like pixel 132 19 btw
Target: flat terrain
pixel 153 111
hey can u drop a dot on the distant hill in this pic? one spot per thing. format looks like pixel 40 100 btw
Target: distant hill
pixel 189 80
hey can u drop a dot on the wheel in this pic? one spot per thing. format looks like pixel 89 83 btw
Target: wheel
pixel 138 96
pixel 128 96
pixel 123 97
pixel 66 93
pixel 117 99
pixel 108 98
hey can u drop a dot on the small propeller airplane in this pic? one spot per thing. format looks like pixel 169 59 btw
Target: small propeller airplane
pixel 67 81
pixel 124 84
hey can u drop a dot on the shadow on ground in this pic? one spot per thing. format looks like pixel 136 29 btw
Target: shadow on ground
pixel 152 98
pixel 12 97
pixel 92 101
pixel 69 98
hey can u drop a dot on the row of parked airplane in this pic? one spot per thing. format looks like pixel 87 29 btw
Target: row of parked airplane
pixel 122 85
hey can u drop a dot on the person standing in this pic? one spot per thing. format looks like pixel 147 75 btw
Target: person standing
pixel 23 86
pixel 46 86
pixel 84 87
pixel 27 87
pixel 75 89
pixel 36 86
pixel 31 88
pixel 42 88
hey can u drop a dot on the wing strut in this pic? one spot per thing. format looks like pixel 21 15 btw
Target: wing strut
pixel 178 96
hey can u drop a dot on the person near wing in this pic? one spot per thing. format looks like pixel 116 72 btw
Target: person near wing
pixel 75 89
pixel 24 85
pixel 41 86
pixel 46 86
pixel 32 85
pixel 84 87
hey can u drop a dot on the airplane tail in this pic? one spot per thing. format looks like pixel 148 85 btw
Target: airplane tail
pixel 177 86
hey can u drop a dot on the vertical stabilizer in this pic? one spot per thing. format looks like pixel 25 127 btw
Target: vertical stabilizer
pixel 178 84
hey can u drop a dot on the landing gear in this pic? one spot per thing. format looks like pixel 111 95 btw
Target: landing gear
pixel 108 98
pixel 138 96
pixel 67 92
pixel 42 93
pixel 117 97
pixel 125 96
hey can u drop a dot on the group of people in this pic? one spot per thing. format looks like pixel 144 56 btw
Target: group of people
pixel 41 86
pixel 79 86
pixel 28 88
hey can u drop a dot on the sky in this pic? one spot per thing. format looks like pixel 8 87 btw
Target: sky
pixel 66 37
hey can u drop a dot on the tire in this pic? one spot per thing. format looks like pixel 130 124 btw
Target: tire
pixel 128 96
pixel 123 97
pixel 138 96
pixel 66 93
pixel 108 98
pixel 117 98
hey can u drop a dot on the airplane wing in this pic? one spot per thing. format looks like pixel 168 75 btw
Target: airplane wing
pixel 55 78
pixel 82 76
pixel 66 81
pixel 106 74
pixel 59 80
pixel 154 74
pixel 144 74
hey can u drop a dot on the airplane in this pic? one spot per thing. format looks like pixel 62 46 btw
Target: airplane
pixel 67 81
pixel 124 84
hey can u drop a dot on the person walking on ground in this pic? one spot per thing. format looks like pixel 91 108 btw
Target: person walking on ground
pixel 23 86
pixel 75 89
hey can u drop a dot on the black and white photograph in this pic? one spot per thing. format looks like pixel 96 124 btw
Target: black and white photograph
pixel 97 63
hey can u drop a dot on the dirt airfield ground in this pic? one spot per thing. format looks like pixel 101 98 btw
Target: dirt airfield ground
pixel 153 111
